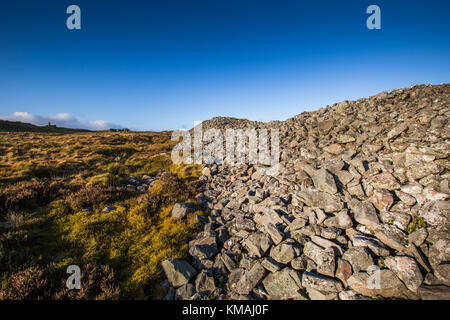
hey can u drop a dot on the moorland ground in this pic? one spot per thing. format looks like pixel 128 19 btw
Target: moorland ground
pixel 54 188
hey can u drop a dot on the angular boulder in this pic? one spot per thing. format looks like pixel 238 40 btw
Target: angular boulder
pixel 181 210
pixel 284 284
pixel 178 272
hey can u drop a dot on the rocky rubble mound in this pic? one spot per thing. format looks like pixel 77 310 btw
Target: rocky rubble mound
pixel 359 208
pixel 224 123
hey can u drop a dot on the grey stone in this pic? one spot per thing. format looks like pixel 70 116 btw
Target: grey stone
pixel 324 258
pixel 352 295
pixel 276 235
pixel 324 181
pixel 397 130
pixel 382 283
pixel 322 200
pixel 234 277
pixel 178 272
pixel 330 232
pixel 204 283
pixel 203 248
pixel 298 223
pixel 359 258
pixel 284 253
pixel 250 279
pixel 384 180
pixel 442 272
pixel 181 210
pixel 366 214
pixel 244 223
pixel 229 263
pixel 321 283
pixel 257 244
pixel 373 244
pixel 321 295
pixel 343 271
pixel 382 199
pixel 399 219
pixel 439 252
pixel 299 263
pixel 418 236
pixel 407 270
pixel 325 243
pixel 284 284
pixel 391 236
pixel 433 213
pixel 270 264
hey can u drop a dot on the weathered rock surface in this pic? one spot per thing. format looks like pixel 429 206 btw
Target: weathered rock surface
pixel 386 285
pixel 284 252
pixel 323 257
pixel 359 258
pixel 178 272
pixel 324 181
pixel 284 284
pixel 321 283
pixel 366 214
pixel 181 210
pixel 406 270
pixel 204 283
pixel 320 199
pixel 250 279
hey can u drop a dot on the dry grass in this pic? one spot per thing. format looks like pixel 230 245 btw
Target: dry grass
pixel 46 179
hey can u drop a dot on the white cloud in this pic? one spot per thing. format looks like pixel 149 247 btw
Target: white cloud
pixel 61 120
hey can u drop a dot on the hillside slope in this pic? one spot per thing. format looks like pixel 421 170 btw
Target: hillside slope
pixel 361 195
pixel 17 126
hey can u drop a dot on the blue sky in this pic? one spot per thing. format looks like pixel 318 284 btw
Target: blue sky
pixel 155 65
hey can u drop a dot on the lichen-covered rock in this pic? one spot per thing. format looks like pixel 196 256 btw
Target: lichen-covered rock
pixel 321 283
pixel 382 199
pixel 435 213
pixel 406 270
pixel 284 284
pixel 285 252
pixel 375 245
pixel 384 180
pixel 391 236
pixel 250 279
pixel 439 252
pixel 323 257
pixel 343 271
pixel 366 214
pixel 382 283
pixel 257 244
pixel 359 258
pixel 438 292
pixel 324 181
pixel 320 199
pixel 442 272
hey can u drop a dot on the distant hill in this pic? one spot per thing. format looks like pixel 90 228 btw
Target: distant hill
pixel 17 126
